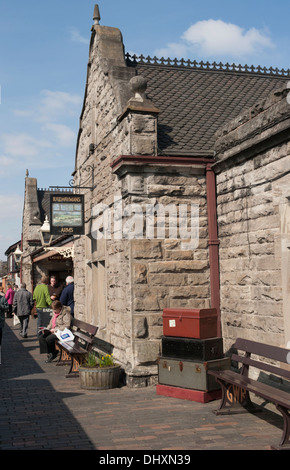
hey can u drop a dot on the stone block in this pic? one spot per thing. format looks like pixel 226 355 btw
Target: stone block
pixel 147 249
pixel 139 273
pixel 146 351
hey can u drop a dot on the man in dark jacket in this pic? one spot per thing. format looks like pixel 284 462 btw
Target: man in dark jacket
pixel 22 306
pixel 67 295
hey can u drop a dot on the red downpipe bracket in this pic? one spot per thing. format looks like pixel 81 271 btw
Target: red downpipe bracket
pixel 213 243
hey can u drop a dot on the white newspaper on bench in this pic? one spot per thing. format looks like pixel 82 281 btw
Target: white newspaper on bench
pixel 65 336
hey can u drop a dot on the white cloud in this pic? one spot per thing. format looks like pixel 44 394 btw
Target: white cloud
pixel 173 50
pixel 10 220
pixel 23 145
pixel 49 132
pixel 11 207
pixel 52 106
pixel 5 161
pixel 76 36
pixel 7 165
pixel 63 134
pixel 215 39
pixel 55 105
pixel 56 100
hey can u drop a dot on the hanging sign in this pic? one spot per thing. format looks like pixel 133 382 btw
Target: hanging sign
pixel 67 214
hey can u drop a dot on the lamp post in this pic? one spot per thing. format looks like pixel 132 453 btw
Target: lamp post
pixel 18 265
pixel 44 232
pixel 17 255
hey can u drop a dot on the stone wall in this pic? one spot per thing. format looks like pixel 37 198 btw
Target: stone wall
pixel 165 272
pixel 253 181
pixel 122 283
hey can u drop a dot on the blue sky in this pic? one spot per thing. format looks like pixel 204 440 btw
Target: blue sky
pixel 43 61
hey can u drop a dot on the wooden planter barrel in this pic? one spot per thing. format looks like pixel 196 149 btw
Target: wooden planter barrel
pixel 99 378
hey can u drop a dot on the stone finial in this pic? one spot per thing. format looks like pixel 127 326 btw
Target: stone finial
pixel 138 85
pixel 27 173
pixel 139 102
pixel 97 15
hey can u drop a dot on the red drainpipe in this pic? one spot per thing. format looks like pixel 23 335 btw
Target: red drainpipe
pixel 213 243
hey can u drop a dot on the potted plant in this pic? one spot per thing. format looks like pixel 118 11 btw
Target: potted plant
pixel 99 372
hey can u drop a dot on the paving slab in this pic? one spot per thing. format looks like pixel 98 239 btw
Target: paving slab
pixel 41 409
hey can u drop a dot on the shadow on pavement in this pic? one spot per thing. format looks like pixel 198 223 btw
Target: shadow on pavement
pixel 32 413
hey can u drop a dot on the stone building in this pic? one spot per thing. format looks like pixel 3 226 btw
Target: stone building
pixel 55 257
pixel 253 201
pixel 13 268
pixel 146 161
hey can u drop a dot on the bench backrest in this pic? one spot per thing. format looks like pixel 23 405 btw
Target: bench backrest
pixel 84 332
pixel 263 350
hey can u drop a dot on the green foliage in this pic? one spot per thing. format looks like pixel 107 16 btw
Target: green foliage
pixel 91 360
pixel 106 361
pixel 101 361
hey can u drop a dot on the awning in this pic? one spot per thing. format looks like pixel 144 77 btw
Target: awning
pixel 66 251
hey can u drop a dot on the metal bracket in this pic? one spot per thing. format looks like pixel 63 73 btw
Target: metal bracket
pixel 72 182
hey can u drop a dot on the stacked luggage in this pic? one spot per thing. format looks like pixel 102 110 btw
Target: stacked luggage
pixel 190 347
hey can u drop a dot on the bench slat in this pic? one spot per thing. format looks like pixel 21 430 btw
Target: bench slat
pixel 72 349
pixel 262 365
pixel 81 335
pixel 81 325
pixel 264 350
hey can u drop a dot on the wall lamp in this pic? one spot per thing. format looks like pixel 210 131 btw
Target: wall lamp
pixel 17 255
pixel 44 232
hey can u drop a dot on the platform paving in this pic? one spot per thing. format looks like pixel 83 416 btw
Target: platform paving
pixel 40 409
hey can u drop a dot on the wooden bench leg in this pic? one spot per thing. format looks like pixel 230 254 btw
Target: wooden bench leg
pixel 64 358
pixel 285 441
pixel 74 366
pixel 235 400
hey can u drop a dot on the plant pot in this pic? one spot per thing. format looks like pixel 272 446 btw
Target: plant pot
pixel 99 378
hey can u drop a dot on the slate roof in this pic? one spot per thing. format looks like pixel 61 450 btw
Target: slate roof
pixel 195 101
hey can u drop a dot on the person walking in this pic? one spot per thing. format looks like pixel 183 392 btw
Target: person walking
pixel 43 302
pixel 9 296
pixel 67 295
pixel 3 309
pixel 22 305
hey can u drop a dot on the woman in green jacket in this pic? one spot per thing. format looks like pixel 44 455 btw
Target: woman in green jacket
pixel 43 302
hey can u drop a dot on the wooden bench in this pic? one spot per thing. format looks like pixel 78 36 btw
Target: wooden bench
pixel 236 386
pixel 74 353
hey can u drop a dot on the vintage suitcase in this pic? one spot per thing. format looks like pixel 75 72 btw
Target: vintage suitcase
pixel 190 374
pixel 192 348
pixel 190 323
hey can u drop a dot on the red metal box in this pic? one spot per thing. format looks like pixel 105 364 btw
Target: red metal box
pixel 190 323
